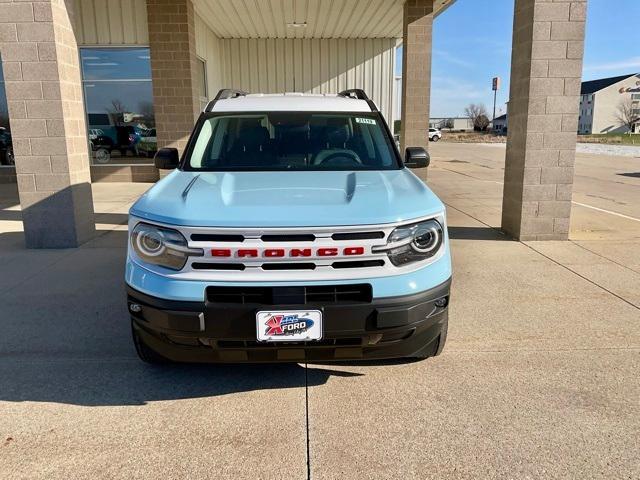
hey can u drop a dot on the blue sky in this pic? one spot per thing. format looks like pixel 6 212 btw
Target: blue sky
pixel 472 44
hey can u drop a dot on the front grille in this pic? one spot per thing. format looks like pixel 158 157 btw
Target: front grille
pixel 357 236
pixel 288 266
pixel 217 266
pixel 288 238
pixel 316 294
pixel 211 237
pixel 359 264
pixel 302 255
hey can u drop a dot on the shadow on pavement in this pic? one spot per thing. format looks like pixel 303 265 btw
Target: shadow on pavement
pixel 113 382
pixel 630 174
pixel 10 215
pixel 65 337
pixel 111 218
pixel 476 233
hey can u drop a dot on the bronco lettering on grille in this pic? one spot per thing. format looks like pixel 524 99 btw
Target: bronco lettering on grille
pixel 284 252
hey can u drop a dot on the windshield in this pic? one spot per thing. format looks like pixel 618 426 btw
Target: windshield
pixel 292 141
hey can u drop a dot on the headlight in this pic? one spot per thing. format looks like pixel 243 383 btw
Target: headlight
pixel 413 243
pixel 162 246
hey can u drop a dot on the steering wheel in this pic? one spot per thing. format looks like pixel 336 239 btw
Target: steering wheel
pixel 341 159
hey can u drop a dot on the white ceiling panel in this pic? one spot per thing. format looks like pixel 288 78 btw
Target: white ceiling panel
pixel 322 18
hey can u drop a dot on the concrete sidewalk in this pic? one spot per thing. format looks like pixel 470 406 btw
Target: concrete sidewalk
pixel 539 378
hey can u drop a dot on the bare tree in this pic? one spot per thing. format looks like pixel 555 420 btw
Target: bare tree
pixel 117 106
pixel 117 111
pixel 627 114
pixel 478 115
pixel 483 122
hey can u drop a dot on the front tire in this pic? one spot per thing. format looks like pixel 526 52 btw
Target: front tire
pixel 435 348
pixel 102 156
pixel 145 353
pixel 435 138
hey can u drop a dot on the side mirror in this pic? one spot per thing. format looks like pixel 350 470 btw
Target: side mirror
pixel 166 158
pixel 416 157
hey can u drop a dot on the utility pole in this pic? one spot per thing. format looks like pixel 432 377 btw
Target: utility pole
pixel 495 88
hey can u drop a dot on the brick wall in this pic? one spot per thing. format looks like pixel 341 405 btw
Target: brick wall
pixel 546 70
pixel 173 70
pixel 46 113
pixel 416 72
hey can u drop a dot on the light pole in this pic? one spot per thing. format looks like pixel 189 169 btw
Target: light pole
pixel 495 88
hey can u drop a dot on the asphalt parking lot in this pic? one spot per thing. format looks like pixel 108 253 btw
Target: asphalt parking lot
pixel 539 378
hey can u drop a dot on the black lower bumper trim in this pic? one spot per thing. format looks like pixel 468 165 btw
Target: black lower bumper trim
pixel 226 332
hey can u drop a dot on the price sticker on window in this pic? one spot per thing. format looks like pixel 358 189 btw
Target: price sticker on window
pixel 369 121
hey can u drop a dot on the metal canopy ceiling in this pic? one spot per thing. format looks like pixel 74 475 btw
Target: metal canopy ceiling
pixel 305 18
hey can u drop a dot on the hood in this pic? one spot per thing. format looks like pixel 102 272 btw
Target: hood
pixel 287 199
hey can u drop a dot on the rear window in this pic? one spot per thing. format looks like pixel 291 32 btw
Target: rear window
pixel 292 141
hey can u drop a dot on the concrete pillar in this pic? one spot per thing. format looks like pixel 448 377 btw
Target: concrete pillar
pixel 546 71
pixel 173 70
pixel 47 118
pixel 416 73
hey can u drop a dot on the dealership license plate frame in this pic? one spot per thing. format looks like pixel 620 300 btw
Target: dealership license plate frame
pixel 313 334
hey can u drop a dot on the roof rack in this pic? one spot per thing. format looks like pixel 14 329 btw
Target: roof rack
pixel 359 94
pixel 224 94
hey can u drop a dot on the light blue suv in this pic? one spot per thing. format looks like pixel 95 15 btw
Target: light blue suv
pixel 290 230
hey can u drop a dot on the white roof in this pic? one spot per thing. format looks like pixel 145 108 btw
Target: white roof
pixel 301 102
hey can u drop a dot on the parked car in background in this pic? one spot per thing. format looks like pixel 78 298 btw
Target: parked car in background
pixel 6 148
pixel 122 138
pixel 94 133
pixel 148 144
pixel 434 135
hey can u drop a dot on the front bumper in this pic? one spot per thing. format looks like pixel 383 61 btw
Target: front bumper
pixel 226 332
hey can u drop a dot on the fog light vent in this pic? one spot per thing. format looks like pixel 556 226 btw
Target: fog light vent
pixel 135 308
pixel 442 302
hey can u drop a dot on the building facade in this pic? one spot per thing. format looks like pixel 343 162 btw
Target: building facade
pixel 499 124
pixel 604 101
pixel 94 87
pixel 453 124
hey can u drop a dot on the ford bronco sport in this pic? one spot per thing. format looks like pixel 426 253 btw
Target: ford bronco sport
pixel 289 230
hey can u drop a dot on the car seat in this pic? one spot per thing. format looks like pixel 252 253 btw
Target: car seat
pixel 252 148
pixel 337 138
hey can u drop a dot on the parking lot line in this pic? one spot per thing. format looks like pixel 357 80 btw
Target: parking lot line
pixel 606 211
pixel 572 201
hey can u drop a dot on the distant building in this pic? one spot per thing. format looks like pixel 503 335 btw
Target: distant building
pixel 600 101
pixel 457 124
pixel 462 124
pixel 599 104
pixel 500 124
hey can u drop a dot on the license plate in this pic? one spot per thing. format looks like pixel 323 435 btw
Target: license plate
pixel 289 325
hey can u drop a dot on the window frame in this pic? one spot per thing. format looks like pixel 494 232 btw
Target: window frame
pixel 204 100
pixel 84 81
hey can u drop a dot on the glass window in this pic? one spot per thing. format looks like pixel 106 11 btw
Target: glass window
pixel 283 141
pixel 202 82
pixel 116 63
pixel 6 149
pixel 119 104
